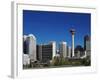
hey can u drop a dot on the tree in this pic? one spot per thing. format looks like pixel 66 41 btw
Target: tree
pixel 86 61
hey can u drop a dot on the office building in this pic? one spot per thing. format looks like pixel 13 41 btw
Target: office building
pixel 46 52
pixel 25 46
pixel 53 43
pixel 87 45
pixel 39 52
pixel 68 51
pixel 29 46
pixel 63 49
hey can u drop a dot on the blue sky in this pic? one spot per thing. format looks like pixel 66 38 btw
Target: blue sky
pixel 54 26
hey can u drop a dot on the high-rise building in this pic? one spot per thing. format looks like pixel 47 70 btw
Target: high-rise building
pixel 25 45
pixel 46 52
pixel 87 45
pixel 53 43
pixel 63 49
pixel 68 51
pixel 32 47
pixel 29 46
pixel 39 52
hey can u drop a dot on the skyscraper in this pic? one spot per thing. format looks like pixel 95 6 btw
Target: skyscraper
pixel 46 52
pixel 87 45
pixel 25 46
pixel 39 52
pixel 68 51
pixel 30 46
pixel 63 49
pixel 53 43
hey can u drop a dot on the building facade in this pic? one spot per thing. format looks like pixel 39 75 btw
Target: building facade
pixel 63 49
pixel 46 52
pixel 87 45
pixel 29 46
pixel 25 45
pixel 68 51
pixel 26 59
pixel 39 52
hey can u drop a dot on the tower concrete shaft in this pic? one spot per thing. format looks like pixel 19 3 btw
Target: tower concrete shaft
pixel 72 45
pixel 72 32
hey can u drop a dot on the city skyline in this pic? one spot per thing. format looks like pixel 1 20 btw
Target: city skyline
pixel 47 55
pixel 55 26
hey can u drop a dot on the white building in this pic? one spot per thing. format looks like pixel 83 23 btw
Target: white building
pixel 69 52
pixel 32 47
pixel 53 43
pixel 63 49
pixel 26 59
